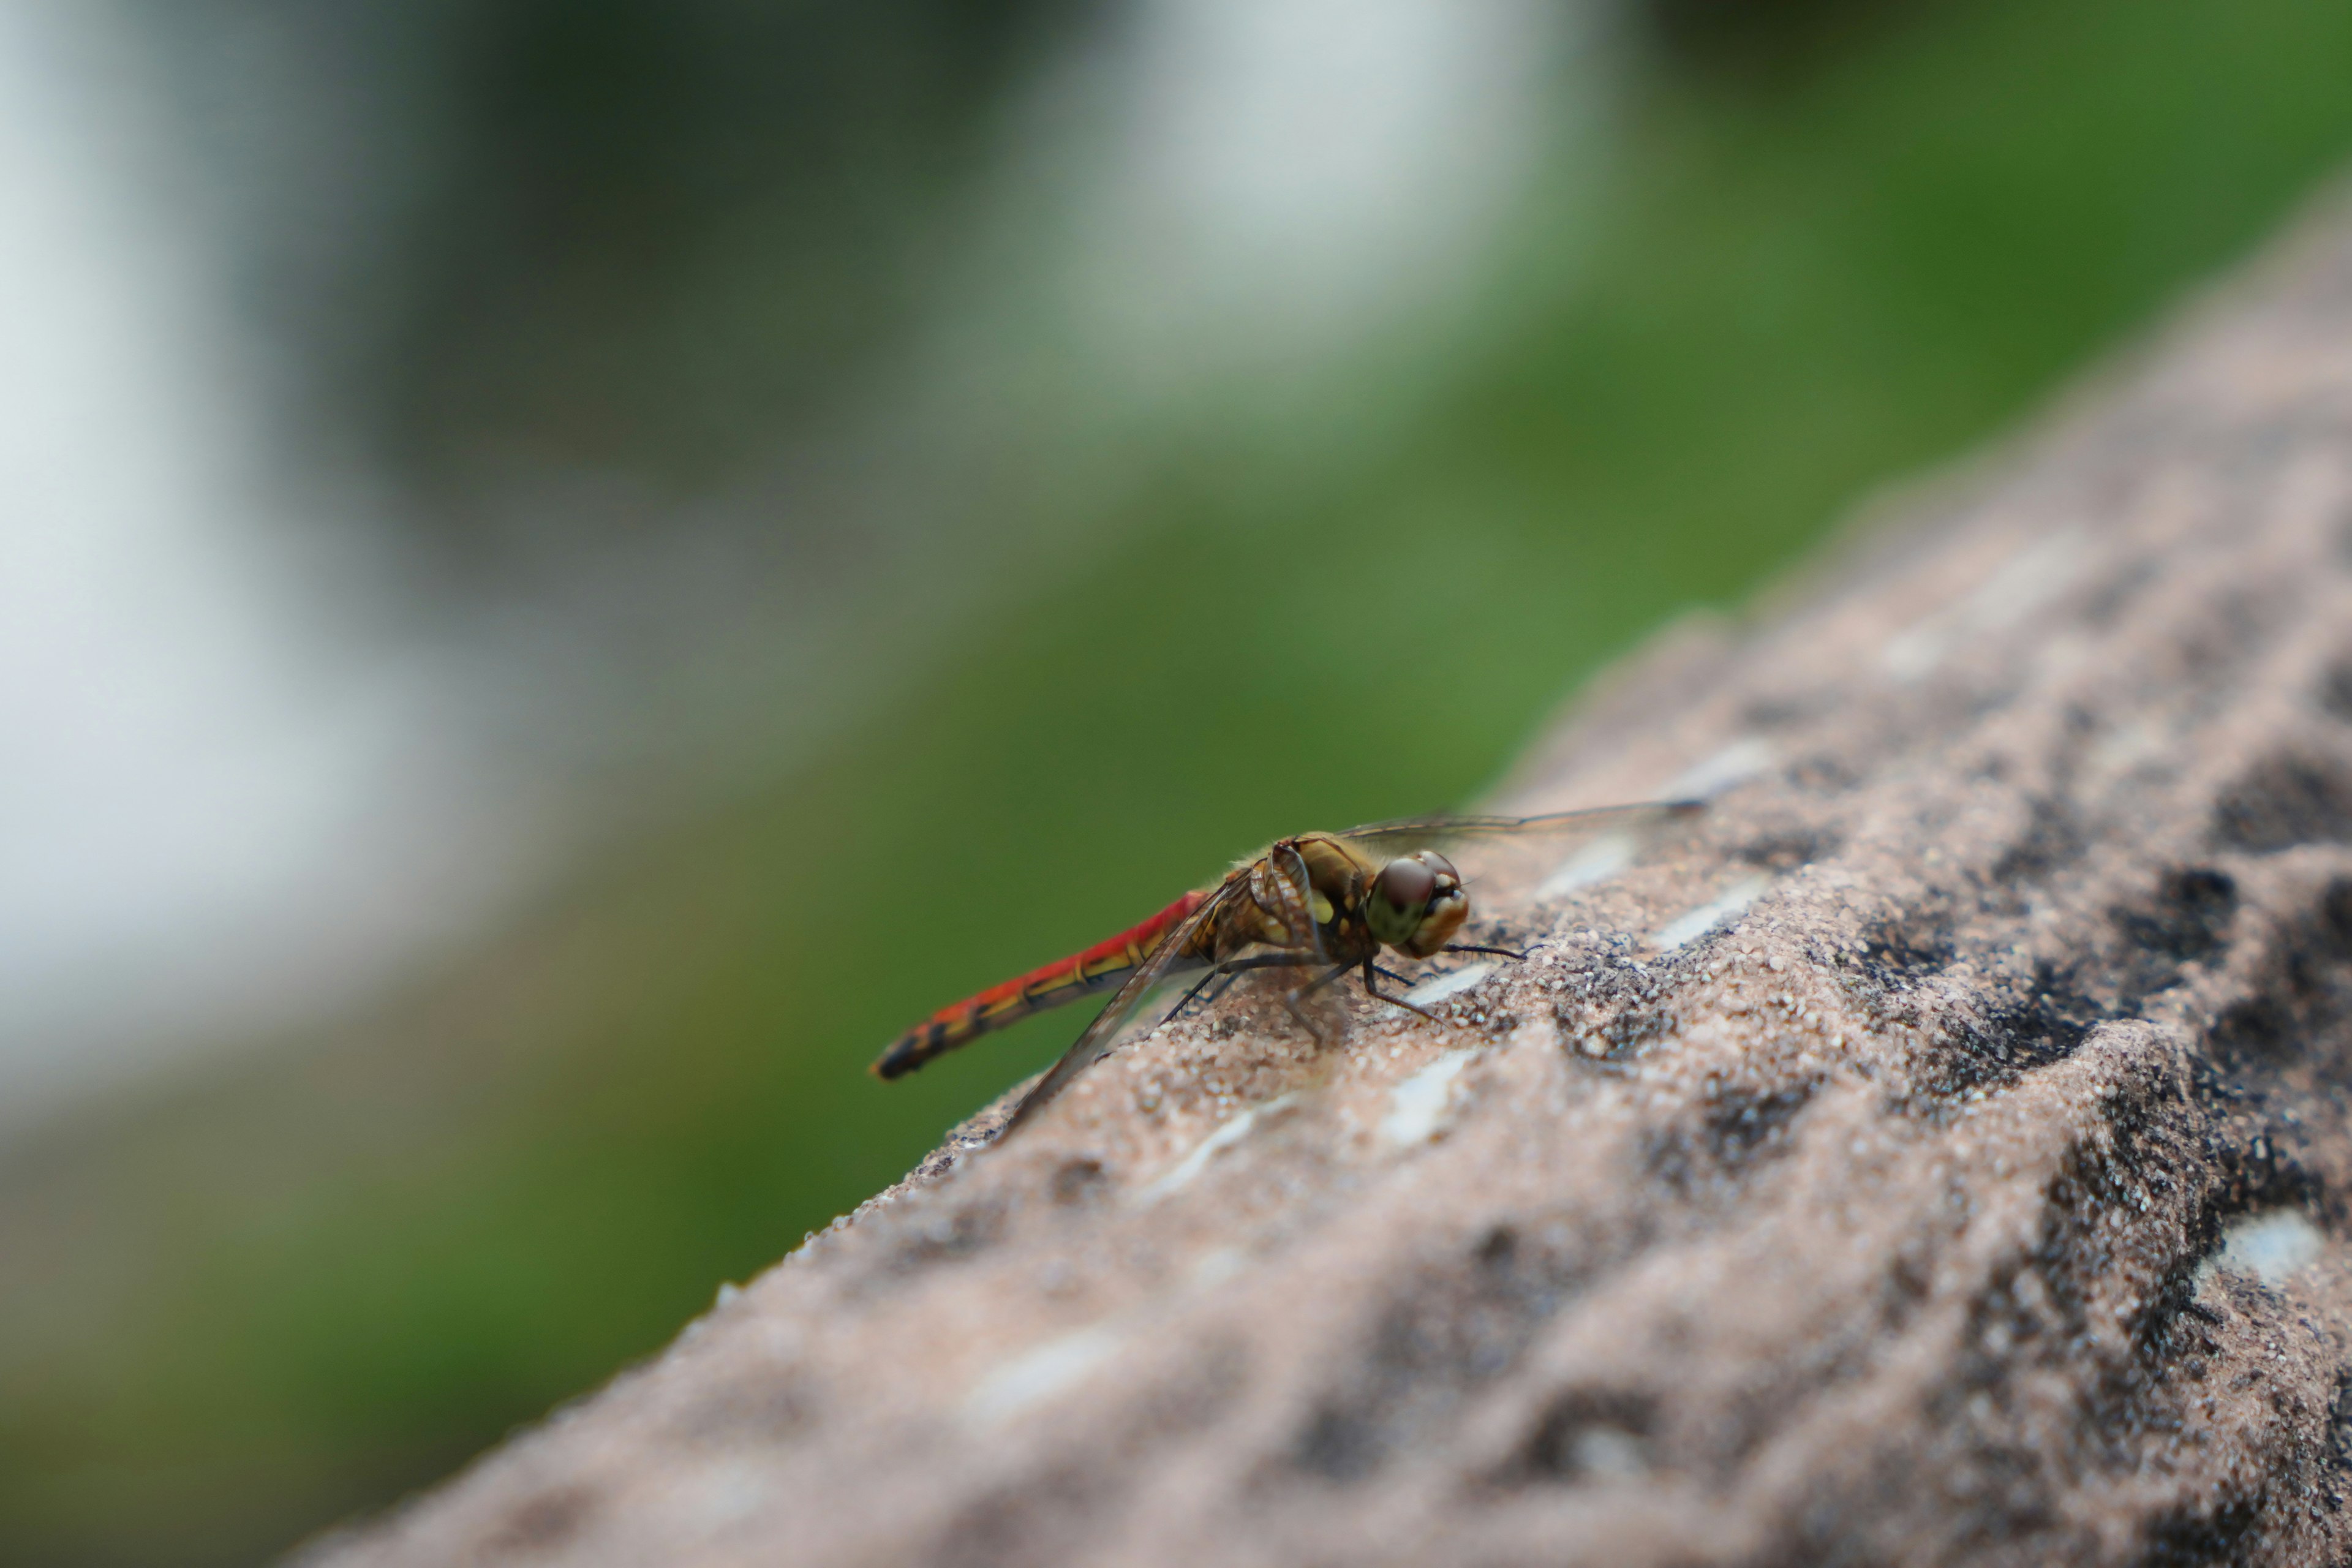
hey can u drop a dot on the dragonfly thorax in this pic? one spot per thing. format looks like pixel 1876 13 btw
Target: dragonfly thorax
pixel 1416 904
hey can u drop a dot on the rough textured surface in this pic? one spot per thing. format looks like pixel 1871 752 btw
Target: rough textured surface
pixel 1974 1191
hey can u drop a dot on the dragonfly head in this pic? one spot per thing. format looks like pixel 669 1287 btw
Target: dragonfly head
pixel 1416 904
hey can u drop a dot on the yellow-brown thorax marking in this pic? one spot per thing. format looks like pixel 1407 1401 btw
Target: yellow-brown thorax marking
pixel 1337 875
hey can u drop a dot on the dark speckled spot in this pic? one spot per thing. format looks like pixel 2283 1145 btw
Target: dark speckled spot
pixel 2286 799
pixel 543 1521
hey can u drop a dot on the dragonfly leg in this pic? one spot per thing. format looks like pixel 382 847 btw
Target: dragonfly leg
pixel 1497 952
pixel 1304 992
pixel 1371 988
pixel 1186 1001
pixel 1225 984
pixel 1391 975
pixel 1225 973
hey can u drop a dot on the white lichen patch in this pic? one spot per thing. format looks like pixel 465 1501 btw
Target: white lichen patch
pixel 2271 1246
pixel 1418 1106
pixel 1607 1453
pixel 1051 1368
pixel 1710 776
pixel 1594 861
pixel 2022 584
pixel 1047 1371
pixel 1232 1131
pixel 721 1493
pixel 1214 1268
pixel 1446 987
pixel 1725 907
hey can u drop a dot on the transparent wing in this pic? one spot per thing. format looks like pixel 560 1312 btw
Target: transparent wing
pixel 1167 963
pixel 1171 962
pixel 1504 859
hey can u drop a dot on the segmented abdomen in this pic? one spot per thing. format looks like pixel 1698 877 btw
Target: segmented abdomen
pixel 1107 963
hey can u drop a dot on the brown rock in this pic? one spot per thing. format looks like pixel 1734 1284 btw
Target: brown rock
pixel 1972 1190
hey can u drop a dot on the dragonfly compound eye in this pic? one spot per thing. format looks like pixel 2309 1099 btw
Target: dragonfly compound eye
pixel 1399 894
pixel 1447 907
pixel 1406 885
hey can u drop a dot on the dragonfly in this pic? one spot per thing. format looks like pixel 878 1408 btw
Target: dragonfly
pixel 1324 904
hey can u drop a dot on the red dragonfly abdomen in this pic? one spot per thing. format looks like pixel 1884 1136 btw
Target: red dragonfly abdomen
pixel 1098 968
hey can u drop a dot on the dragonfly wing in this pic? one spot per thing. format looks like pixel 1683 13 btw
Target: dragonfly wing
pixel 1508 858
pixel 1444 828
pixel 1171 958
pixel 1292 888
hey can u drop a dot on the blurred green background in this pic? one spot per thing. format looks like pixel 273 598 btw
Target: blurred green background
pixel 961 503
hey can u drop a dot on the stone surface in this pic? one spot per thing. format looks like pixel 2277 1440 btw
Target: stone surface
pixel 1967 1184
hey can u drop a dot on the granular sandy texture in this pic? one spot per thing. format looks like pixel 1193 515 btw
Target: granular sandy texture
pixel 1974 1191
